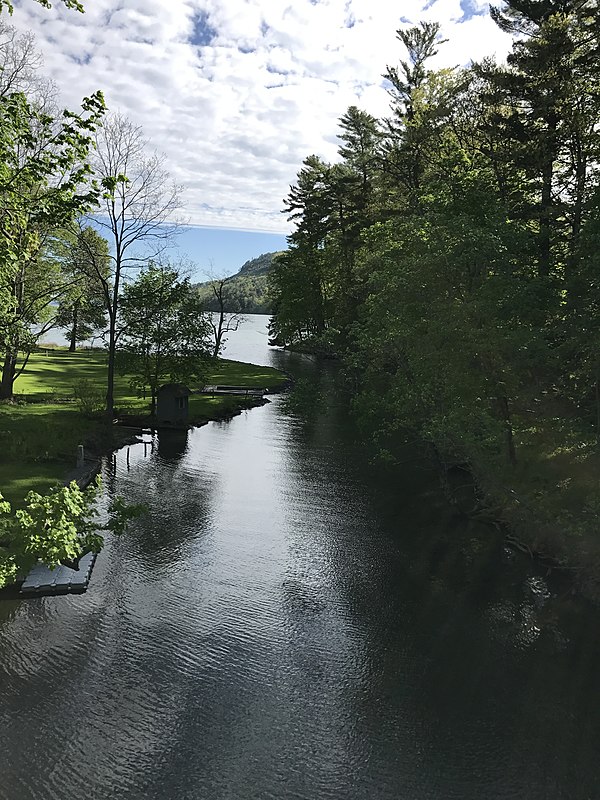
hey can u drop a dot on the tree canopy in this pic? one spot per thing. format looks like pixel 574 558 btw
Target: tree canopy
pixel 164 335
pixel 449 254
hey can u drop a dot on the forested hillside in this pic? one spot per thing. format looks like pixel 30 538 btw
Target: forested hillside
pixel 245 292
pixel 450 258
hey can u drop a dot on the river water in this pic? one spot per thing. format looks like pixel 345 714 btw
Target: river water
pixel 292 622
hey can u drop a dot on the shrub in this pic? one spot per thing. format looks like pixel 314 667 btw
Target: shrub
pixel 89 397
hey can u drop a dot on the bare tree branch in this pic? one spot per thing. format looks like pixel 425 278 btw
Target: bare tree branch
pixel 140 212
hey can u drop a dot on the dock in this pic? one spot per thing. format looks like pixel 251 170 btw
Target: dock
pixel 43 581
pixel 244 391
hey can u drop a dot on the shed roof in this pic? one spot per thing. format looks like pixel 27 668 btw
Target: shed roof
pixel 174 389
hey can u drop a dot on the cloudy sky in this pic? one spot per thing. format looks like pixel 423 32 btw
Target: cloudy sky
pixel 236 93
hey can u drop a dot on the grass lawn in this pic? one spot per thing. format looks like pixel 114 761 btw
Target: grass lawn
pixel 39 436
pixel 54 374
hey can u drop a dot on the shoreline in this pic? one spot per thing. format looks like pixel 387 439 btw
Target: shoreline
pixel 127 429
pixel 85 475
pixel 564 544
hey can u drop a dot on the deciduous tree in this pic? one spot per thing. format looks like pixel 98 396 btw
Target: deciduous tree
pixel 138 213
pixel 45 181
pixel 85 266
pixel 164 333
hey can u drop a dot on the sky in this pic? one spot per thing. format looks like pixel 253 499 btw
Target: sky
pixel 234 94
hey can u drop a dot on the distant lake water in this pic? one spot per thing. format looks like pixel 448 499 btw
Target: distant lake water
pixel 249 343
pixel 291 621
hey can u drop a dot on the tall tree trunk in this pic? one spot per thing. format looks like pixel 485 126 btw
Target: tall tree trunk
pixel 546 200
pixel 597 388
pixel 112 341
pixel 110 377
pixel 572 281
pixel 73 342
pixel 8 376
pixel 218 331
pixel 544 235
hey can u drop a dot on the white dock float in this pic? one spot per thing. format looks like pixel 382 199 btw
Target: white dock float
pixel 43 581
pixel 243 391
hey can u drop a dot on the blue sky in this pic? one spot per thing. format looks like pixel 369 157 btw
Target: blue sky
pixel 223 251
pixel 234 94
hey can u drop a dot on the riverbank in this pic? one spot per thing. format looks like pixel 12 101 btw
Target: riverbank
pixel 41 429
pixel 547 501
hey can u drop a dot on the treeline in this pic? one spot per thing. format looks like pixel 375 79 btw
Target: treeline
pixel 451 257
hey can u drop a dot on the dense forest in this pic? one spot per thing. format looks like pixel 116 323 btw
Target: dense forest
pixel 450 259
pixel 245 292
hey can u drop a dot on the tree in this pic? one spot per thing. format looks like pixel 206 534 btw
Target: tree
pixel 220 321
pixel 137 213
pixel 57 528
pixel 164 333
pixel 299 277
pixel 405 152
pixel 360 136
pixel 547 108
pixel 44 183
pixel 19 61
pixel 85 263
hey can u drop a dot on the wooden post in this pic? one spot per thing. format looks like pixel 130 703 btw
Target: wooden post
pixel 80 456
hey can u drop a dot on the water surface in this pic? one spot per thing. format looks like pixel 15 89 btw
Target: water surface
pixel 291 622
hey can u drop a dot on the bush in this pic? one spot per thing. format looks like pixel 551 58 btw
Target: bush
pixel 89 397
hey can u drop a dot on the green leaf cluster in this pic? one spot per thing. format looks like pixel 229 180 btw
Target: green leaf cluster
pixel 57 528
pixel 164 335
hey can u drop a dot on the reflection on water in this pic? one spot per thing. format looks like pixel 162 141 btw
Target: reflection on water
pixel 290 622
pixel 172 443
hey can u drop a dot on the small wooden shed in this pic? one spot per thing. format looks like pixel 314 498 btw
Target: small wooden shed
pixel 172 404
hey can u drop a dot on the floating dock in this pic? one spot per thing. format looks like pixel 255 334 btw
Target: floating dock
pixel 244 391
pixel 43 581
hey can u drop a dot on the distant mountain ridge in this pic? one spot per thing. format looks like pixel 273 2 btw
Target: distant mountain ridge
pixel 246 291
pixel 260 265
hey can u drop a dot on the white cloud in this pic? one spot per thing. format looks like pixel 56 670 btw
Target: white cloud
pixel 237 93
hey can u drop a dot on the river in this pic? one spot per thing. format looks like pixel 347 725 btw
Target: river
pixel 291 621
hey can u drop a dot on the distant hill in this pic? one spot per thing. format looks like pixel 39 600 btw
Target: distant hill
pixel 257 266
pixel 246 291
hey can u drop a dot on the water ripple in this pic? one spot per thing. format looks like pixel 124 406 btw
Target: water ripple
pixel 274 629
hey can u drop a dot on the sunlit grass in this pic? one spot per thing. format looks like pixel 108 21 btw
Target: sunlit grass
pixel 55 373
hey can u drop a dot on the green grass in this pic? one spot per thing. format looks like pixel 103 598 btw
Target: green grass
pixel 56 372
pixel 40 432
pixel 21 477
pixel 237 373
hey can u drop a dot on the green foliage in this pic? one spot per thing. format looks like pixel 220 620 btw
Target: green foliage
pixel 257 267
pixel 165 333
pixel 246 292
pixel 451 256
pixel 74 4
pixel 90 398
pixel 45 181
pixel 57 528
pixel 84 259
